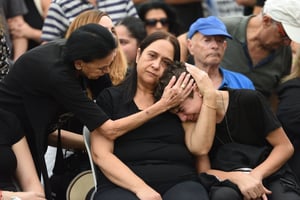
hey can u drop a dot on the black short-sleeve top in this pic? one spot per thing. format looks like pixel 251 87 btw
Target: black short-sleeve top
pixel 155 151
pixel 11 132
pixel 41 86
pixel 249 119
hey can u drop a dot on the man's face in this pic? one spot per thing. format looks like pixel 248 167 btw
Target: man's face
pixel 207 50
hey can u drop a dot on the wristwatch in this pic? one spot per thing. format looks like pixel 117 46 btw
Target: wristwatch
pixel 15 198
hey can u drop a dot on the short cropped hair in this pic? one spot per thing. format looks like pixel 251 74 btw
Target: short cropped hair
pixel 174 69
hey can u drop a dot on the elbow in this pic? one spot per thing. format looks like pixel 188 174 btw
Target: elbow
pixel 109 130
pixel 200 150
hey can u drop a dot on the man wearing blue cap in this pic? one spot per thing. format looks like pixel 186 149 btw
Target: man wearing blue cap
pixel 207 43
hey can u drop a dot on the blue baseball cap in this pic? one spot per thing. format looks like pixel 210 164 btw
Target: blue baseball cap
pixel 208 26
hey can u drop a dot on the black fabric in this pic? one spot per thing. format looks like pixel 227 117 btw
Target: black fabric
pixel 288 113
pixel 232 156
pixel 39 87
pixel 11 132
pixel 155 151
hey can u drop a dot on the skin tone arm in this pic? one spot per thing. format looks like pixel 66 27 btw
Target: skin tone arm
pixel 172 96
pixel 251 184
pixel 69 140
pixel 26 175
pixel 206 122
pixel 20 44
pixel 183 47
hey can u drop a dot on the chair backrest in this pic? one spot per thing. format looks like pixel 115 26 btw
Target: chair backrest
pixel 87 142
pixel 80 186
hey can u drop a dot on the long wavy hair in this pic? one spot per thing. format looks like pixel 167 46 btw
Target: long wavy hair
pixel 118 67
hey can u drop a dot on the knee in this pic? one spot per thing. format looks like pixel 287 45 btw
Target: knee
pixel 224 193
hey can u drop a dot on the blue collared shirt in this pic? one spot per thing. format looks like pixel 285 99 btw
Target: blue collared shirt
pixel 235 80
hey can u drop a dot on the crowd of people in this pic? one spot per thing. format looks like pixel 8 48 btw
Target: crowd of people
pixel 184 99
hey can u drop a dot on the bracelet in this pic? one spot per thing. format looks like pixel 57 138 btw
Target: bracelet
pixel 209 106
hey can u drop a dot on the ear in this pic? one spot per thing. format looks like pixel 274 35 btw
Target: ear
pixel 189 45
pixel 78 64
pixel 267 20
pixel 225 45
pixel 138 54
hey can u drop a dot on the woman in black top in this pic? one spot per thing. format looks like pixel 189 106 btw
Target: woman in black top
pixel 16 162
pixel 50 80
pixel 153 161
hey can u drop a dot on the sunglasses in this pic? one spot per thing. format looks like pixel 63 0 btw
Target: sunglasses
pixel 153 22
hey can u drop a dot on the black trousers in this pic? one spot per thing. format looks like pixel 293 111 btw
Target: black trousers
pixel 187 190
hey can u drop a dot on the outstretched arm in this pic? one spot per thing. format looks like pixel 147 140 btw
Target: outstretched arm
pixel 172 96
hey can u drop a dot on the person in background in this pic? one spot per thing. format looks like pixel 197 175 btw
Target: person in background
pixel 130 31
pixel 50 80
pixel 4 53
pixel 260 48
pixel 222 8
pixel 158 16
pixel 288 111
pixel 249 149
pixel 118 67
pixel 16 163
pixel 31 29
pixel 187 11
pixel 251 7
pixel 12 12
pixel 152 161
pixel 61 13
pixel 207 44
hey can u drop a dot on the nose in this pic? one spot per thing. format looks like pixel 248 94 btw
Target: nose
pixel 159 25
pixel 156 63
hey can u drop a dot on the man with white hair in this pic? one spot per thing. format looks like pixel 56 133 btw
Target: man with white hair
pixel 260 45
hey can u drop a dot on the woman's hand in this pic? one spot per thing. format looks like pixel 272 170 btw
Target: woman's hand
pixel 250 186
pixel 202 79
pixel 177 91
pixel 24 195
pixel 148 193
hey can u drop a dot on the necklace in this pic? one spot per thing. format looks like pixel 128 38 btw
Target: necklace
pixel 226 124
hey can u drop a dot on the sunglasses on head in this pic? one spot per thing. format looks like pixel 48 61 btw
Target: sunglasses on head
pixel 153 22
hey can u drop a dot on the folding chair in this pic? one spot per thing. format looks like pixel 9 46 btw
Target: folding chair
pixel 84 185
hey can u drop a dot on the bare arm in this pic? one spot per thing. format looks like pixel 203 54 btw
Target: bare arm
pixel 183 47
pixel 200 135
pixel 69 140
pixel 26 175
pixel 248 183
pixel 172 96
pixel 20 44
pixel 120 174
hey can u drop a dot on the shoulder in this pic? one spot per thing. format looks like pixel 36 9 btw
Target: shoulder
pixel 236 79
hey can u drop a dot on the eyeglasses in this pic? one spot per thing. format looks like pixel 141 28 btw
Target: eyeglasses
pixel 282 33
pixel 153 22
